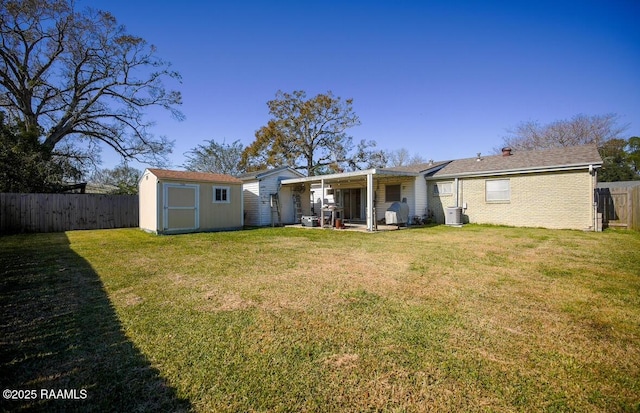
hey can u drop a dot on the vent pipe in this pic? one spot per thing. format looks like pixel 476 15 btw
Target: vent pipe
pixel 506 151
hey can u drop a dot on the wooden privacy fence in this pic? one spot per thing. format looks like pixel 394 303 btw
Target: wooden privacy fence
pixel 619 205
pixel 64 212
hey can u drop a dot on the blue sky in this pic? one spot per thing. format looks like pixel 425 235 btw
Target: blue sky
pixel 443 79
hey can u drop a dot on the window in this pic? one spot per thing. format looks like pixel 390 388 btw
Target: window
pixel 498 190
pixel 443 188
pixel 392 193
pixel 221 194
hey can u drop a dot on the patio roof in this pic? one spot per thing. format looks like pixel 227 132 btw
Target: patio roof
pixel 347 176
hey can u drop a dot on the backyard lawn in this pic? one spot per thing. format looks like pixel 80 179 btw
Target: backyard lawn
pixel 478 318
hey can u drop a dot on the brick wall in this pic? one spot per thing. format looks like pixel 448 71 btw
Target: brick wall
pixel 550 200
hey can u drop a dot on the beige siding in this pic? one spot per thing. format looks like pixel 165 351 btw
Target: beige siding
pixel 214 215
pixel 550 200
pixel 148 195
pixel 438 203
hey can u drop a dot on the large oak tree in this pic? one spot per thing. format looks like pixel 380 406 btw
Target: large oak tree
pixel 79 79
pixel 310 135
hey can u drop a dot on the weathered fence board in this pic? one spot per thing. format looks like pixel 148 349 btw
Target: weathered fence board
pixel 619 205
pixel 64 212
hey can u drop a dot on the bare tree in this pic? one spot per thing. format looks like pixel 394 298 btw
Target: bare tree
pixel 121 180
pixel 402 157
pixel 79 79
pixel 579 130
pixel 220 158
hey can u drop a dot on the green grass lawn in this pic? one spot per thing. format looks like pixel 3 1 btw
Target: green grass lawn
pixel 477 318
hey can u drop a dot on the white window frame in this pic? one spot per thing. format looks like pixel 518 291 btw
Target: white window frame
pixel 439 188
pixel 226 190
pixel 498 190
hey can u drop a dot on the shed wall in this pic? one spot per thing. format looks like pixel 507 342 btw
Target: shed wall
pixel 215 216
pixel 149 198
pixel 212 216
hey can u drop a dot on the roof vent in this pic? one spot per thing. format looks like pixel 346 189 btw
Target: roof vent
pixel 506 151
pixel 478 158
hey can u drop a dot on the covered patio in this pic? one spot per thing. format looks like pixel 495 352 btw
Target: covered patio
pixel 345 195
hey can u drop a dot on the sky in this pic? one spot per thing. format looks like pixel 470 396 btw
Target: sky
pixel 442 79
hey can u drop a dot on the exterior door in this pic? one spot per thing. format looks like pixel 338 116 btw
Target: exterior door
pixel 181 207
pixel 352 202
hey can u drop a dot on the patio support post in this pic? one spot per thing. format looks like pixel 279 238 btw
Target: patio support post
pixel 370 217
pixel 321 203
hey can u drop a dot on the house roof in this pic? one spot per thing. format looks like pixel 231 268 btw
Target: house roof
pixel 194 176
pixel 266 172
pixel 575 157
pixel 418 168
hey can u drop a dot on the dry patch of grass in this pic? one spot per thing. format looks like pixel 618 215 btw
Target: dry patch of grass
pixel 433 319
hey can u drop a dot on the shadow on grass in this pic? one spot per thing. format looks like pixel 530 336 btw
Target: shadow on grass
pixel 61 333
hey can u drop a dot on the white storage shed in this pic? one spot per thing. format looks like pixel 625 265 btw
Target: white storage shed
pixel 178 202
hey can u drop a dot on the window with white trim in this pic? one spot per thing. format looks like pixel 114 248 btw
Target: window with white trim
pixel 221 194
pixel 392 193
pixel 498 190
pixel 443 188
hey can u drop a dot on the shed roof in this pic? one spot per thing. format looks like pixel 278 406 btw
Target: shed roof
pixel 574 157
pixel 194 176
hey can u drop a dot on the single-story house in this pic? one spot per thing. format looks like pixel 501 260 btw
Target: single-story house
pixel 179 201
pixel 548 188
pixel 551 188
pixel 266 203
pixel 364 196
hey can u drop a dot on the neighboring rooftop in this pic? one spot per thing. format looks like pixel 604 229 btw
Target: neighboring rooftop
pixel 417 168
pixel 265 172
pixel 519 161
pixel 193 176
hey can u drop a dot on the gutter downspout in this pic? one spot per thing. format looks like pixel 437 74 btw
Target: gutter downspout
pixel 594 210
pixel 370 216
pixel 457 184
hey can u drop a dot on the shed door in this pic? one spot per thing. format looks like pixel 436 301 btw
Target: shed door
pixel 181 206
